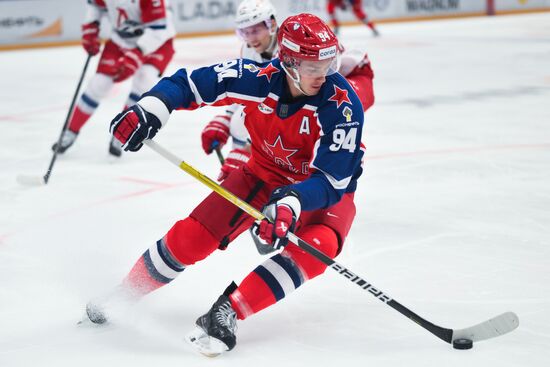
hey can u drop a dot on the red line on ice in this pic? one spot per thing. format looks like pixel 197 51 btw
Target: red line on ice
pixel 158 186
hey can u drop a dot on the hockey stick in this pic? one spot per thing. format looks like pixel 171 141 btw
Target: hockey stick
pixel 216 147
pixel 491 328
pixel 263 248
pixel 220 155
pixel 43 180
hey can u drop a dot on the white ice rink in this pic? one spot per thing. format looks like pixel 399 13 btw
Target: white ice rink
pixel 453 213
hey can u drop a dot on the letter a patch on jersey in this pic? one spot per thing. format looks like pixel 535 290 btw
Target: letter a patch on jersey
pixel 304 127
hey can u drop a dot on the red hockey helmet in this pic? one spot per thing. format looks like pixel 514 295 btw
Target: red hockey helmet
pixel 305 37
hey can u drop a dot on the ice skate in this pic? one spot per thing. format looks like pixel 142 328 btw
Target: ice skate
pixel 215 330
pixel 67 139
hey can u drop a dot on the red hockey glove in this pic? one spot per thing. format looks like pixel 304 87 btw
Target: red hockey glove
pixel 128 64
pixel 90 38
pixel 281 213
pixel 234 160
pixel 215 133
pixel 133 125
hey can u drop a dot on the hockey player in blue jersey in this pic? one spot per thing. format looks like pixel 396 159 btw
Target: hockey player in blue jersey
pixel 305 123
pixel 257 27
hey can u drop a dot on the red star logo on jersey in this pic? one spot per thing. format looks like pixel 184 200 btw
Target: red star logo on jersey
pixel 268 71
pixel 277 151
pixel 340 96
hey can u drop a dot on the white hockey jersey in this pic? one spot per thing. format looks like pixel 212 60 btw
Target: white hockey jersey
pixel 146 24
pixel 251 54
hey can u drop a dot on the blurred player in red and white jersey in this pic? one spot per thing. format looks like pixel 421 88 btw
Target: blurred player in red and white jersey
pixel 257 27
pixel 356 8
pixel 140 47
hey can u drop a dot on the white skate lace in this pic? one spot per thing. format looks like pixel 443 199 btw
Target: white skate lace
pixel 227 317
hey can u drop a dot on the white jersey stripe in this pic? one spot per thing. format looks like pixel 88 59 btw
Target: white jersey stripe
pixel 198 97
pixel 337 184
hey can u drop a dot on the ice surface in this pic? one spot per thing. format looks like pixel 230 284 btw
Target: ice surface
pixel 453 212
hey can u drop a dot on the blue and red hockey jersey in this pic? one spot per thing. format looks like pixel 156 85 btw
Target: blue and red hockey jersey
pixel 312 143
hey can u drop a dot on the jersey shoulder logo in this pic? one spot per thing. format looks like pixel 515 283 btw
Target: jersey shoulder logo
pixel 267 71
pixel 340 96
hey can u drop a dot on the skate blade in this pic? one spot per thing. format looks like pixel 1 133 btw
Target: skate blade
pixel 204 344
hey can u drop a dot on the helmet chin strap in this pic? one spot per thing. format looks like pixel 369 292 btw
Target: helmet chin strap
pixel 295 79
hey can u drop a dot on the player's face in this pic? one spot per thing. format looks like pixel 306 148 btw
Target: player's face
pixel 312 84
pixel 256 36
pixel 313 74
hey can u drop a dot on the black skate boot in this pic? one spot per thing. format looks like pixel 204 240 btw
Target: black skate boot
pixel 67 139
pixel 215 331
pixel 115 147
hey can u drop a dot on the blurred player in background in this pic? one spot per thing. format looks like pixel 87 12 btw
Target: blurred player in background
pixel 140 46
pixel 305 123
pixel 356 8
pixel 257 27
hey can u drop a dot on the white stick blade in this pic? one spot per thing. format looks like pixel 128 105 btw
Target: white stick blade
pixel 494 327
pixel 30 180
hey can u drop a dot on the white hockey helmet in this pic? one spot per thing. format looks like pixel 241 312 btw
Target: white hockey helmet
pixel 251 12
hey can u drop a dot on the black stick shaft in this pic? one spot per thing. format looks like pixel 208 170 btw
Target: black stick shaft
pixel 219 154
pixel 69 114
pixel 442 333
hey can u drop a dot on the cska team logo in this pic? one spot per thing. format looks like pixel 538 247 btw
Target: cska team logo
pixel 340 96
pixel 279 153
pixel 268 71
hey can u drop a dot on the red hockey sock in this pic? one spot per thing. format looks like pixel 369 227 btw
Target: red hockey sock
pixel 78 119
pixel 251 296
pixel 155 268
pixel 283 273
pixel 359 13
pixel 185 243
pixel 140 280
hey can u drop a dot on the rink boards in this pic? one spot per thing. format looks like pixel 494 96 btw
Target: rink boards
pixel 38 23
